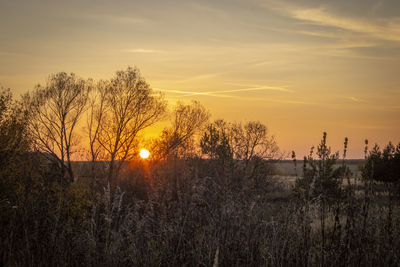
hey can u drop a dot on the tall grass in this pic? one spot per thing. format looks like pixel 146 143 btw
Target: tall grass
pixel 215 219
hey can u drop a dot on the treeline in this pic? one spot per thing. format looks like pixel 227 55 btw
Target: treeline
pixel 72 118
pixel 206 197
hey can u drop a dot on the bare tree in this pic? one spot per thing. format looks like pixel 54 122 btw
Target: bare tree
pixel 223 139
pixel 249 145
pixel 55 110
pixel 187 121
pixel 131 107
pixel 253 145
pixel 95 114
pixel 253 140
pixel 13 135
pixel 176 140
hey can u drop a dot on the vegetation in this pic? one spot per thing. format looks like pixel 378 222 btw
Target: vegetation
pixel 208 196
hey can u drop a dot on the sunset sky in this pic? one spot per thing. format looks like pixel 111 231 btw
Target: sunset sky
pixel 301 67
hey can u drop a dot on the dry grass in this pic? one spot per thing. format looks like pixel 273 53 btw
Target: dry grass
pixel 203 220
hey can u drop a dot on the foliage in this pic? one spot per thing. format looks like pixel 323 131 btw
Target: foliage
pixel 13 135
pixel 216 141
pixel 321 178
pixel 383 166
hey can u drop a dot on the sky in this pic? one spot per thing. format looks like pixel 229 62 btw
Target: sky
pixel 300 67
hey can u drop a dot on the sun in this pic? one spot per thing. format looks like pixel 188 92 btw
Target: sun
pixel 144 153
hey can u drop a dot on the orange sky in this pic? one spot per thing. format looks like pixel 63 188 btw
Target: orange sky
pixel 301 68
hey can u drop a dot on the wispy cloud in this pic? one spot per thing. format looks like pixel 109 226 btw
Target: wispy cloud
pixel 382 28
pixel 354 99
pixel 225 93
pixel 128 20
pixel 365 127
pixel 258 88
pixel 141 50
pixel 279 100
pixel 222 94
pixel 116 19
pixel 201 77
pixel 388 29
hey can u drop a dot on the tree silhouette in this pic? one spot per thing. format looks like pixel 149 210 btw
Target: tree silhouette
pixel 13 135
pixel 130 106
pixel 247 145
pixel 95 117
pixel 216 141
pixel 187 121
pixel 55 110
pixel 383 166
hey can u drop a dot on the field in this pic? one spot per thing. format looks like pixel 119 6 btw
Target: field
pixel 211 194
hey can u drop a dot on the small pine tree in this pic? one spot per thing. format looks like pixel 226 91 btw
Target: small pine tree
pixel 321 179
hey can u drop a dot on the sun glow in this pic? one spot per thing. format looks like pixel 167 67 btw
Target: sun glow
pixel 144 153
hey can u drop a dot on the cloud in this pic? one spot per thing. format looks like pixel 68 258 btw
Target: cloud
pixel 365 127
pixel 222 93
pixel 116 19
pixel 377 28
pixel 143 51
pixel 226 94
pixel 193 93
pixel 354 99
pixel 201 77
pixel 259 88
pixel 127 20
pixel 388 29
pixel 289 101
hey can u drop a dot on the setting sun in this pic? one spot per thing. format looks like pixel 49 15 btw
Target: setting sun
pixel 144 153
pixel 273 125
